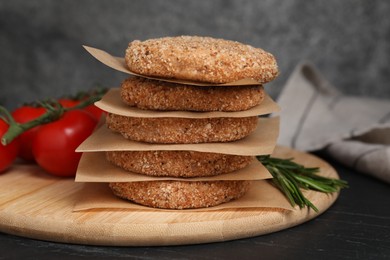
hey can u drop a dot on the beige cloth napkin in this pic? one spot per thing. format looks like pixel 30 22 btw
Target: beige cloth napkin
pixel 352 130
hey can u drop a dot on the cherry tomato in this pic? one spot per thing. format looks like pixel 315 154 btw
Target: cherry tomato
pixel 55 143
pixel 95 111
pixel 92 109
pixel 68 103
pixel 22 115
pixel 9 152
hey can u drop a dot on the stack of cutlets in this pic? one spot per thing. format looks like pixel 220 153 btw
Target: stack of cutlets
pixel 184 59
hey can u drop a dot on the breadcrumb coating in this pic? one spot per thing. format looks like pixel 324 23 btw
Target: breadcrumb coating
pixel 158 95
pixel 184 164
pixel 202 59
pixel 180 194
pixel 182 130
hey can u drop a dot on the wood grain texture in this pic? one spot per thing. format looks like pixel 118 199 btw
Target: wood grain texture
pixel 39 206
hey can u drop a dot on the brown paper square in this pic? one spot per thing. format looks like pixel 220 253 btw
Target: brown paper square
pixel 119 64
pixel 94 167
pixel 112 103
pixel 261 195
pixel 261 141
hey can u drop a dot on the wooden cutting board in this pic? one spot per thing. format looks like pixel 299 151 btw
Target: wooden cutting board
pixel 36 205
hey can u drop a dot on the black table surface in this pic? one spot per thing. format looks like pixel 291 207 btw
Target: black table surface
pixel 357 226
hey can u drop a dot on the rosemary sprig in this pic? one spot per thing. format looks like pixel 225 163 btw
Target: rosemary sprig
pixel 290 177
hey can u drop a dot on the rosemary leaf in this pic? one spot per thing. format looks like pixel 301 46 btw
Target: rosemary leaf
pixel 290 177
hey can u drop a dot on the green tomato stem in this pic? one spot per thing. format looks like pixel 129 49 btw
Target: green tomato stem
pixel 15 129
pixel 54 111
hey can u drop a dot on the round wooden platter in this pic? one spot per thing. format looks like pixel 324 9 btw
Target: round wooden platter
pixel 36 205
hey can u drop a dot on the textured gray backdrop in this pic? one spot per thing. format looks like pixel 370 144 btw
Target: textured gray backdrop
pixel 41 53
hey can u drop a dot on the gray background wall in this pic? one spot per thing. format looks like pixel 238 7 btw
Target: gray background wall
pixel 41 53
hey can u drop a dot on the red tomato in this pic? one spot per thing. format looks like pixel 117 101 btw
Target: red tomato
pixel 8 152
pixel 68 103
pixel 22 115
pixel 55 143
pixel 95 111
pixel 92 109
